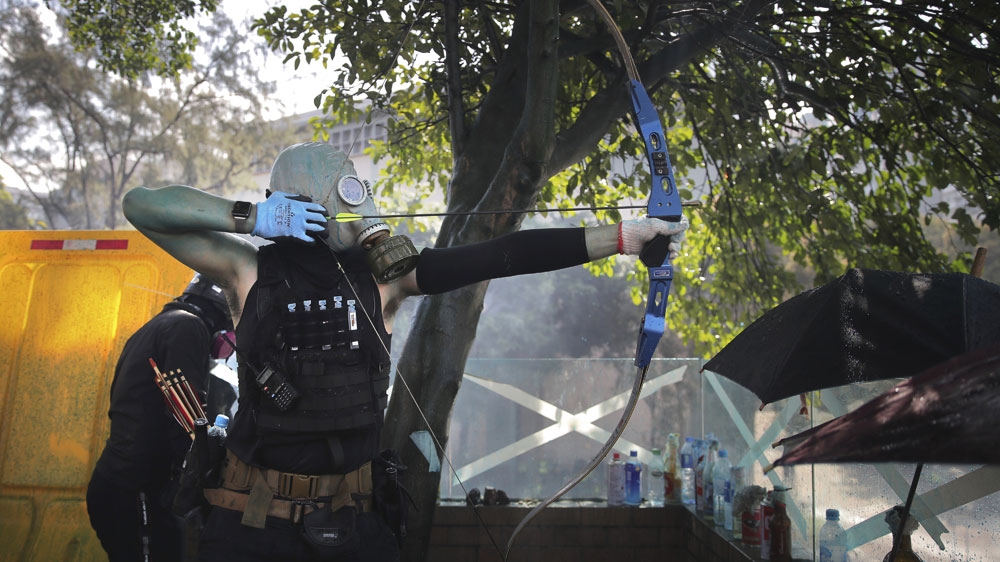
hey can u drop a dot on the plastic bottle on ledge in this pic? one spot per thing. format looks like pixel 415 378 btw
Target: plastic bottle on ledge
pixel 737 481
pixel 671 470
pixel 832 544
pixel 720 483
pixel 781 528
pixel 220 429
pixel 657 493
pixel 616 481
pixel 633 479
pixel 766 515
pixel 708 479
pixel 700 456
pixel 687 471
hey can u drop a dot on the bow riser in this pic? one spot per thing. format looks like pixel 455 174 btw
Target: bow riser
pixel 654 323
pixel 664 201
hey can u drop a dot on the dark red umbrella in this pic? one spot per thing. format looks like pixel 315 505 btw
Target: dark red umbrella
pixel 948 414
pixel 867 325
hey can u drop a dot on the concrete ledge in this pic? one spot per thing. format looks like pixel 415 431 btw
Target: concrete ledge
pixel 580 532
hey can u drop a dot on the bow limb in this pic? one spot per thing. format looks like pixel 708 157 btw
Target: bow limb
pixel 664 203
pixel 629 408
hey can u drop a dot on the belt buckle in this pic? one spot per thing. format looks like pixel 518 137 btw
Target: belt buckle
pixel 297 485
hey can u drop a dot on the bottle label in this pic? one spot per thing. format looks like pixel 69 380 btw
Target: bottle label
pixel 699 490
pixel 669 487
pixel 751 527
pixel 709 496
pixel 830 551
pixel 633 484
pixel 687 460
pixel 766 513
pixel 616 484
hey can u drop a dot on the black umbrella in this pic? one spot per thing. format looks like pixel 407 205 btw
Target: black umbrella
pixel 867 325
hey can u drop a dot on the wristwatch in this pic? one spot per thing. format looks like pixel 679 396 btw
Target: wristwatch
pixel 241 212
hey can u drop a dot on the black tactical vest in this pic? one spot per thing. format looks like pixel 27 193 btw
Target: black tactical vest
pixel 314 361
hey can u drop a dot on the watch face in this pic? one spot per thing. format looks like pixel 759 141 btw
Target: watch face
pixel 241 209
pixel 352 190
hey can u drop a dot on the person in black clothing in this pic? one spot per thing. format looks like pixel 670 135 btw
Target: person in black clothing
pixel 303 476
pixel 128 494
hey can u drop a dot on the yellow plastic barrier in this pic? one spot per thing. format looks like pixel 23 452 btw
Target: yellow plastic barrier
pixel 68 302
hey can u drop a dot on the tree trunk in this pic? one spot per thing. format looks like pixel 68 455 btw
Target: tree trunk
pixel 445 325
pixel 431 368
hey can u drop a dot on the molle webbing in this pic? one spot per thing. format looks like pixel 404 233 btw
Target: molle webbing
pixel 313 328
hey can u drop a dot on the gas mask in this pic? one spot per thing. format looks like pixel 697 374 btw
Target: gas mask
pixel 327 176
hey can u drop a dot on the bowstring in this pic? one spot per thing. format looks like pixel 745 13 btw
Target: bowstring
pixel 399 376
pixel 397 371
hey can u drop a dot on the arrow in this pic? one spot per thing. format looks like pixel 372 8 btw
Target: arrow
pixel 351 217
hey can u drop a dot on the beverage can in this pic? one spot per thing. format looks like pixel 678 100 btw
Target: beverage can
pixel 751 527
pixel 766 514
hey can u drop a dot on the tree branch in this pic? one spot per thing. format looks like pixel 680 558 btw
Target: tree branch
pixel 453 58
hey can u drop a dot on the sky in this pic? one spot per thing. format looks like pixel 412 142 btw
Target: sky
pixel 296 88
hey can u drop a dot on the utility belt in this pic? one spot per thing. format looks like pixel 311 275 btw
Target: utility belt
pixel 260 492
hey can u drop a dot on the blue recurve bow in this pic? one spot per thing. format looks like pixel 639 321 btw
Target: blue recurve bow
pixel 665 204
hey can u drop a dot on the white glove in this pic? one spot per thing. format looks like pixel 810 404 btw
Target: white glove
pixel 634 234
pixel 283 214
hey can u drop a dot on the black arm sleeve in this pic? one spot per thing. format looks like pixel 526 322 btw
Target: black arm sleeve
pixel 528 251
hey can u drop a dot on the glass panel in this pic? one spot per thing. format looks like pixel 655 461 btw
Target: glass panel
pixel 527 426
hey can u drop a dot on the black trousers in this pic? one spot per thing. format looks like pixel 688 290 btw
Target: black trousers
pixel 132 525
pixel 225 539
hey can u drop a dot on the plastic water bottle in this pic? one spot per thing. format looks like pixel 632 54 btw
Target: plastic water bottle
pixel 720 483
pixel 657 491
pixel 832 542
pixel 708 479
pixel 616 480
pixel 633 479
pixel 737 481
pixel 219 430
pixel 672 470
pixel 699 472
pixel 687 471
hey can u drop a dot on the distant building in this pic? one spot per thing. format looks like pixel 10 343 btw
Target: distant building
pixel 352 138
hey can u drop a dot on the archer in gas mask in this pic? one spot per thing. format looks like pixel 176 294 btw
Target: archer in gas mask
pixel 326 177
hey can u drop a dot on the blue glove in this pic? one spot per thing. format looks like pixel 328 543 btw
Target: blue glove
pixel 286 215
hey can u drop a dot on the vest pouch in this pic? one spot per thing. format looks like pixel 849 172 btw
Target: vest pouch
pixel 332 534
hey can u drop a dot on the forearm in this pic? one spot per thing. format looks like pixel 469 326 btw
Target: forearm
pixel 518 253
pixel 177 209
pixel 602 241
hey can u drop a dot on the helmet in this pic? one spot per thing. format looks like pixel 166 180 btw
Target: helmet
pixel 201 287
pixel 205 299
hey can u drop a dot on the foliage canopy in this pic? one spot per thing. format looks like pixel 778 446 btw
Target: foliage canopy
pixel 829 134
pixel 80 137
pixel 825 133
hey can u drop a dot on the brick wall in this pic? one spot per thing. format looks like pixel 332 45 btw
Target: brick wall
pixel 570 532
